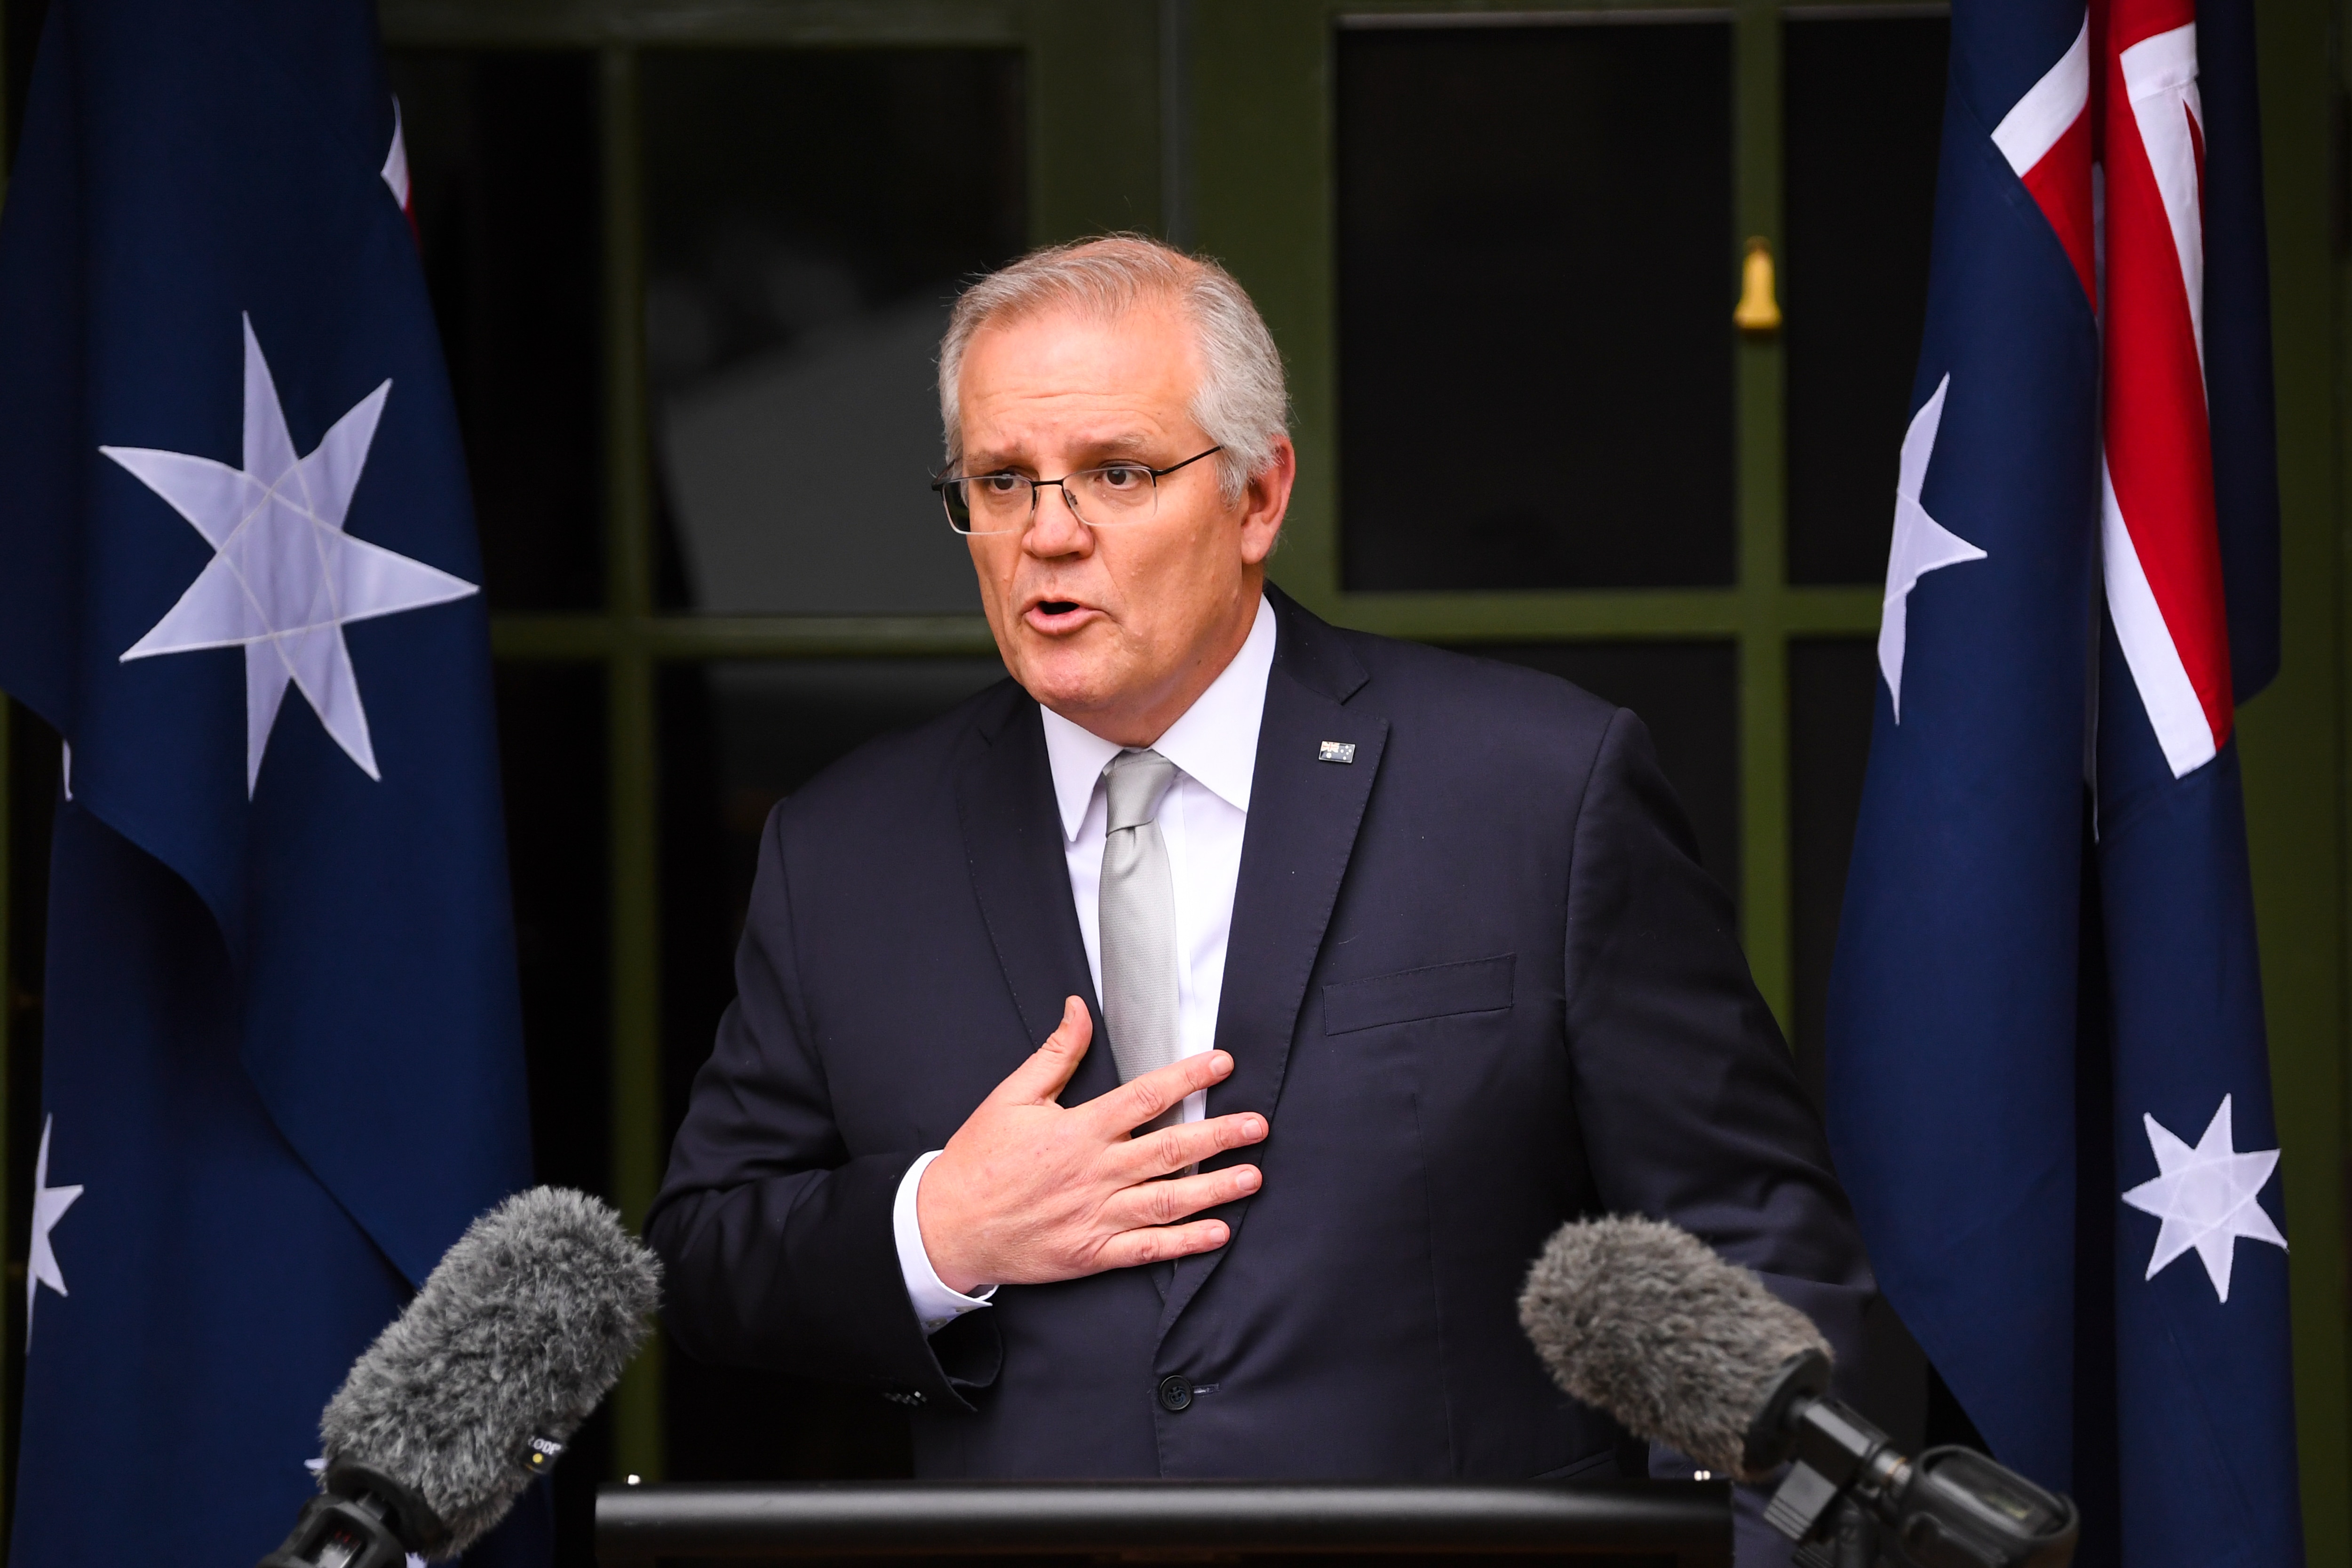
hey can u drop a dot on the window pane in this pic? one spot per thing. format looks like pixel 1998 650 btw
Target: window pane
pixel 1534 306
pixel 736 739
pixel 1865 108
pixel 503 168
pixel 808 217
pixel 1685 694
pixel 1833 686
pixel 552 761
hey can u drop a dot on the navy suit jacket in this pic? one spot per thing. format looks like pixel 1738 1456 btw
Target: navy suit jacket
pixel 1477 983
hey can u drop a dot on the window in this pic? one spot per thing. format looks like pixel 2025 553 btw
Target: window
pixel 795 291
pixel 691 290
pixel 1665 565
pixel 1535 365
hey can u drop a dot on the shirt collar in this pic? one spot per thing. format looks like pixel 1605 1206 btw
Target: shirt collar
pixel 1214 743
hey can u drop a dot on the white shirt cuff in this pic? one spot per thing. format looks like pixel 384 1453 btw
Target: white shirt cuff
pixel 935 1304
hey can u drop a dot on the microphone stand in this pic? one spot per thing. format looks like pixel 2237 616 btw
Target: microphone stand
pixel 361 1517
pixel 1848 1490
pixel 1854 1537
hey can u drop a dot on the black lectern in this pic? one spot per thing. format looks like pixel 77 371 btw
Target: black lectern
pixel 1618 1524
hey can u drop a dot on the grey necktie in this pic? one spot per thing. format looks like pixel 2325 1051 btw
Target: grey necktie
pixel 1138 913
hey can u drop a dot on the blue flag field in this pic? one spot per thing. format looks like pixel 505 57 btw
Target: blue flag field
pixel 282 1067
pixel 2049 1084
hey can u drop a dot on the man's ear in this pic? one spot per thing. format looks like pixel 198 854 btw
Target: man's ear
pixel 1266 501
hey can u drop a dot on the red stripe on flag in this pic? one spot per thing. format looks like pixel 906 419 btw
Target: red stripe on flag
pixel 2159 445
pixel 2061 184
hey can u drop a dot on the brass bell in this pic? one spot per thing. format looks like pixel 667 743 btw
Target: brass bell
pixel 1757 311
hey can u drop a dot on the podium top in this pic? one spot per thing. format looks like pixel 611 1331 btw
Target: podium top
pixel 1684 1524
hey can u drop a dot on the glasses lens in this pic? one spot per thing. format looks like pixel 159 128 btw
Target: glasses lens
pixel 1113 494
pixel 987 503
pixel 951 496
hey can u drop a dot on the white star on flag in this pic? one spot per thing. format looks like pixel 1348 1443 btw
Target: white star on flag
pixel 1921 545
pixel 49 1205
pixel 285 577
pixel 2206 1197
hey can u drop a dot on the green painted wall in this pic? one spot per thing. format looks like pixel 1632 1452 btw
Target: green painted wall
pixel 2293 745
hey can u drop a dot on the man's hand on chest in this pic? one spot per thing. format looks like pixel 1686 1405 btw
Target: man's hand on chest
pixel 1028 1191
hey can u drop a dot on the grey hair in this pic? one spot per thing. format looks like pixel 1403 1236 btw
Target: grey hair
pixel 1241 403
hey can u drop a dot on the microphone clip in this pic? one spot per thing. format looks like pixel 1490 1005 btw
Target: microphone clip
pixel 361 1517
pixel 1850 1500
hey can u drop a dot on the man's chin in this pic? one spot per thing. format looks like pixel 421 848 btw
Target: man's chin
pixel 1064 681
pixel 1072 697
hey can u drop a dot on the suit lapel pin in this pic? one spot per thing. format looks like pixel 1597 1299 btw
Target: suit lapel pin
pixel 1336 752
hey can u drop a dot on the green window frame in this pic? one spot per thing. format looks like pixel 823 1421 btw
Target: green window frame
pixel 1096 105
pixel 1211 121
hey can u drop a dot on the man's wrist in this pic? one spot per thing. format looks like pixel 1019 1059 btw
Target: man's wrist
pixel 936 1303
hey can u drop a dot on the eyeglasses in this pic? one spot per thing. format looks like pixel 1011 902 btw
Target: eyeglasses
pixel 1109 497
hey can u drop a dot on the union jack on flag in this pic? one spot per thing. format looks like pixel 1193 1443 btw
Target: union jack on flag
pixel 2049 1090
pixel 2139 140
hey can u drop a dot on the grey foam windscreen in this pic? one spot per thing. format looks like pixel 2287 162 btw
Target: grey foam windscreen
pixel 1642 1320
pixel 519 1330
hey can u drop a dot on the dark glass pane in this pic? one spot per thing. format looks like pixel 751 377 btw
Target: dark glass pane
pixel 1864 106
pixel 552 756
pixel 1534 306
pixel 1833 686
pixel 736 739
pixel 1686 695
pixel 552 759
pixel 809 216
pixel 503 165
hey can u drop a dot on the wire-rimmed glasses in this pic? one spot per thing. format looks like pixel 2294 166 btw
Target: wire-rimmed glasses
pixel 1110 496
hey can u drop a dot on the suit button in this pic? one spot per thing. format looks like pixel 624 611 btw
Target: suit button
pixel 1175 1394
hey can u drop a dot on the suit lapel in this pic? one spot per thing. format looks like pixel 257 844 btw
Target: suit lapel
pixel 1303 817
pixel 1012 843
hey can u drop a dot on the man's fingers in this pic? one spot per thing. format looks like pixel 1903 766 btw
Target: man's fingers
pixel 1173 1148
pixel 1137 1101
pixel 1047 1071
pixel 1165 1203
pixel 1161 1243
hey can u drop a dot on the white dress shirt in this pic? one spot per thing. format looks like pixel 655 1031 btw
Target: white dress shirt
pixel 1201 819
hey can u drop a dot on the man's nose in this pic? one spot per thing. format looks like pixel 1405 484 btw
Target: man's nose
pixel 1055 528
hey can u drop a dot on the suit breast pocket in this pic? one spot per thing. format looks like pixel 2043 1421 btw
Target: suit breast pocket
pixel 1439 991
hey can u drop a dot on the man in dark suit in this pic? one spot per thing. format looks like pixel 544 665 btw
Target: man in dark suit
pixel 1358 968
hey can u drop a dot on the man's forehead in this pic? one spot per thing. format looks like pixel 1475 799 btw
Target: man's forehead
pixel 1016 438
pixel 1107 384
pixel 1144 351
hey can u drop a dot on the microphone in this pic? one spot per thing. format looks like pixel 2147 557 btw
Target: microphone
pixel 520 1330
pixel 1643 1320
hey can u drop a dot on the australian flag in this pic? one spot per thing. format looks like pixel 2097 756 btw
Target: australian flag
pixel 282 1067
pixel 2049 1091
